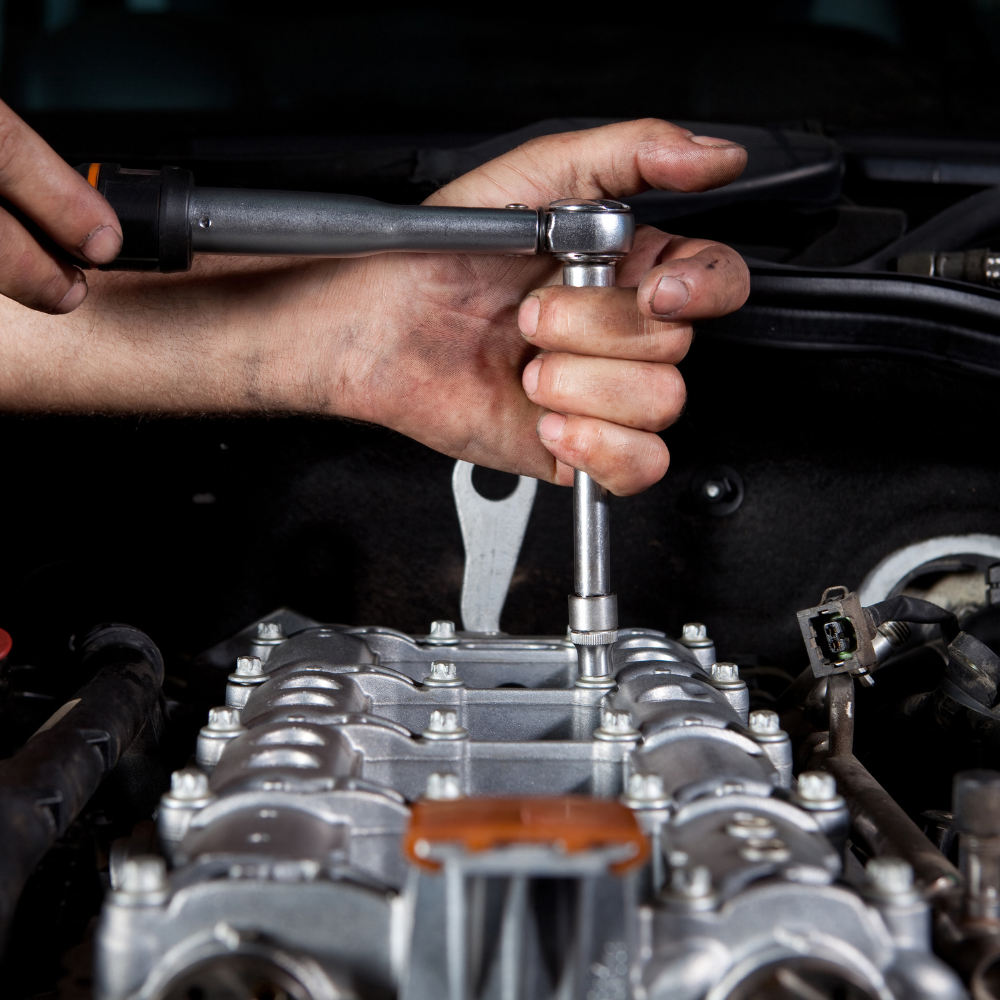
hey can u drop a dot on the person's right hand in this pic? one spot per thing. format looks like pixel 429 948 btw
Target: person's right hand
pixel 69 215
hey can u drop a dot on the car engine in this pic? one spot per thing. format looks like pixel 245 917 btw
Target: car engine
pixel 465 813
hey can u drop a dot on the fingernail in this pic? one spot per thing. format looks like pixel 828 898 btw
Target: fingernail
pixel 101 245
pixel 670 295
pixel 76 294
pixel 707 140
pixel 550 427
pixel 527 315
pixel 530 377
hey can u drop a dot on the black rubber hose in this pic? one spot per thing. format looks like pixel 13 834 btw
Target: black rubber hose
pixel 915 612
pixel 960 227
pixel 46 784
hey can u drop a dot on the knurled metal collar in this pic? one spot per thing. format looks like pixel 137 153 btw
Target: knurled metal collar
pixel 605 638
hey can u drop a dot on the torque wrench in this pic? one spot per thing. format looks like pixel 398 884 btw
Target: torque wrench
pixel 166 220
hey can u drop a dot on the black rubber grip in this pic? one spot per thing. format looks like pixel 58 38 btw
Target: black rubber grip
pixel 152 206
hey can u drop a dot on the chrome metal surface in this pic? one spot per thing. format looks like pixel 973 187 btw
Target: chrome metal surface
pixel 295 223
pixel 492 532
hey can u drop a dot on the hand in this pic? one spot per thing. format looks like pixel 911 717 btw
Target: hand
pixel 483 358
pixel 462 359
pixel 69 215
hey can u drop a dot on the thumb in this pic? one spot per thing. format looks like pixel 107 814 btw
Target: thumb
pixel 613 161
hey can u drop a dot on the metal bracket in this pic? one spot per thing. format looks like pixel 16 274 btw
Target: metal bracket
pixel 492 531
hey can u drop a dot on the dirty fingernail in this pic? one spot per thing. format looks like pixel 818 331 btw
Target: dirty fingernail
pixel 550 427
pixel 530 377
pixel 670 295
pixel 527 315
pixel 76 294
pixel 707 140
pixel 101 245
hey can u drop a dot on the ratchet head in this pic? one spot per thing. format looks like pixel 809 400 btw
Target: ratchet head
pixel 587 232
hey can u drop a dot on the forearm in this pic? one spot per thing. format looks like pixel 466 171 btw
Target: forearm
pixel 234 335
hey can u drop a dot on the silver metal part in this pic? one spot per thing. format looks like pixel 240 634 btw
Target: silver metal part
pixel 492 531
pixel 298 223
pixel 695 636
pixel 888 638
pixel 589 237
pixel 296 849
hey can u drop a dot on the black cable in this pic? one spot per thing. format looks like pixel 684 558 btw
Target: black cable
pixel 914 611
pixel 960 227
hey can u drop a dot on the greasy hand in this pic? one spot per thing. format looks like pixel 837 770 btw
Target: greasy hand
pixel 69 212
pixel 489 360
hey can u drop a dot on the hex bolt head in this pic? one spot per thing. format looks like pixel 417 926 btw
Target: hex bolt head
pixel 724 673
pixel 645 791
pixel 750 826
pixel 224 720
pixel 270 630
pixel 189 785
pixel 144 880
pixel 890 877
pixel 223 725
pixel 443 670
pixel 441 787
pixel 645 786
pixel 765 722
pixel 442 633
pixel 817 791
pixel 444 673
pixel 444 726
pixel 249 666
pixel 693 632
pixel 616 726
pixel 692 883
pixel 765 849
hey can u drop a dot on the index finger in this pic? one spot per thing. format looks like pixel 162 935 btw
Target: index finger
pixel 52 194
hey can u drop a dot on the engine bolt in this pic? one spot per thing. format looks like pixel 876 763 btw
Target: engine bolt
pixel 817 788
pixel 890 877
pixel 144 881
pixel 442 633
pixel 694 635
pixel 224 720
pixel 249 674
pixel 249 666
pixel 269 636
pixel 645 791
pixel 749 826
pixel 189 785
pixel 725 675
pixel 692 883
pixel 765 849
pixel 223 725
pixel 444 674
pixel 189 792
pixel 444 726
pixel 765 722
pixel 443 786
pixel 616 727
